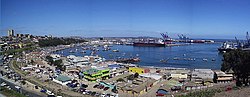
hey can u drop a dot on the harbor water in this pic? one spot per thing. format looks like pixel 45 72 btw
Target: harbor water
pixel 188 56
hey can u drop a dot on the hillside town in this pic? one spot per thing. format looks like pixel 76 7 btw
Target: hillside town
pixel 37 71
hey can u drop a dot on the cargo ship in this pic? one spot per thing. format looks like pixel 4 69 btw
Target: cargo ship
pixel 228 46
pixel 149 44
pixel 154 42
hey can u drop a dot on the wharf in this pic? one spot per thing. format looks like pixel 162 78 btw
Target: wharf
pixel 177 44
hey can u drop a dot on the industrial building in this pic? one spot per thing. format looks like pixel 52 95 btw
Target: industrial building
pixel 94 74
pixel 138 70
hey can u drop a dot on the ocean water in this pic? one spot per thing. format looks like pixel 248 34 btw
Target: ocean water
pixel 189 56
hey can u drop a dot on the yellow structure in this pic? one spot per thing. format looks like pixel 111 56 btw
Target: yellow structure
pixel 138 70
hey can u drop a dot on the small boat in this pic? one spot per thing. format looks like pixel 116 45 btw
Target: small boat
pixel 213 59
pixel 85 48
pixel 204 59
pixel 175 58
pixel 192 59
pixel 105 49
pixel 164 60
pixel 136 59
pixel 71 51
pixel 116 50
pixel 83 52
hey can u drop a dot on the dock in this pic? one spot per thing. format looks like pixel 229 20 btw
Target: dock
pixel 169 45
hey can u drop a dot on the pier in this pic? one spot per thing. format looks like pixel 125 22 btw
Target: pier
pixel 169 45
pixel 126 60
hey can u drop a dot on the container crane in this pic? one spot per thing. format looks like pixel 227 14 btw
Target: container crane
pixel 247 37
pixel 238 42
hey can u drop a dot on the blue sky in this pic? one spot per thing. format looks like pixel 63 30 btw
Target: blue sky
pixel 91 18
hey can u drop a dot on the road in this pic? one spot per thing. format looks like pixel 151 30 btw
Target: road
pixel 22 90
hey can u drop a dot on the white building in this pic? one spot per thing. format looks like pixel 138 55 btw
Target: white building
pixel 151 75
pixel 63 80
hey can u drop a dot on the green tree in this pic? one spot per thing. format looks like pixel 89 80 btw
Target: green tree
pixel 49 59
pixel 238 61
pixel 57 62
pixel 58 41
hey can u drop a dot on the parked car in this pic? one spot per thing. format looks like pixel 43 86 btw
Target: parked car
pixel 18 87
pixel 48 92
pixel 101 87
pixel 84 86
pixel 97 94
pixel 8 87
pixel 114 90
pixel 93 93
pixel 43 90
pixel 82 90
pixel 95 86
pixel 159 94
pixel 3 84
pixel 89 92
pixel 176 88
pixel 36 87
pixel 107 95
pixel 103 95
pixel 106 88
pixel 51 95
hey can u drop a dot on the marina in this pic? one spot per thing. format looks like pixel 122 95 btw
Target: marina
pixel 186 56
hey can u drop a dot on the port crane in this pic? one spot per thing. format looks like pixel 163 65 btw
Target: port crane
pixel 183 37
pixel 247 45
pixel 238 42
pixel 166 38
pixel 247 37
